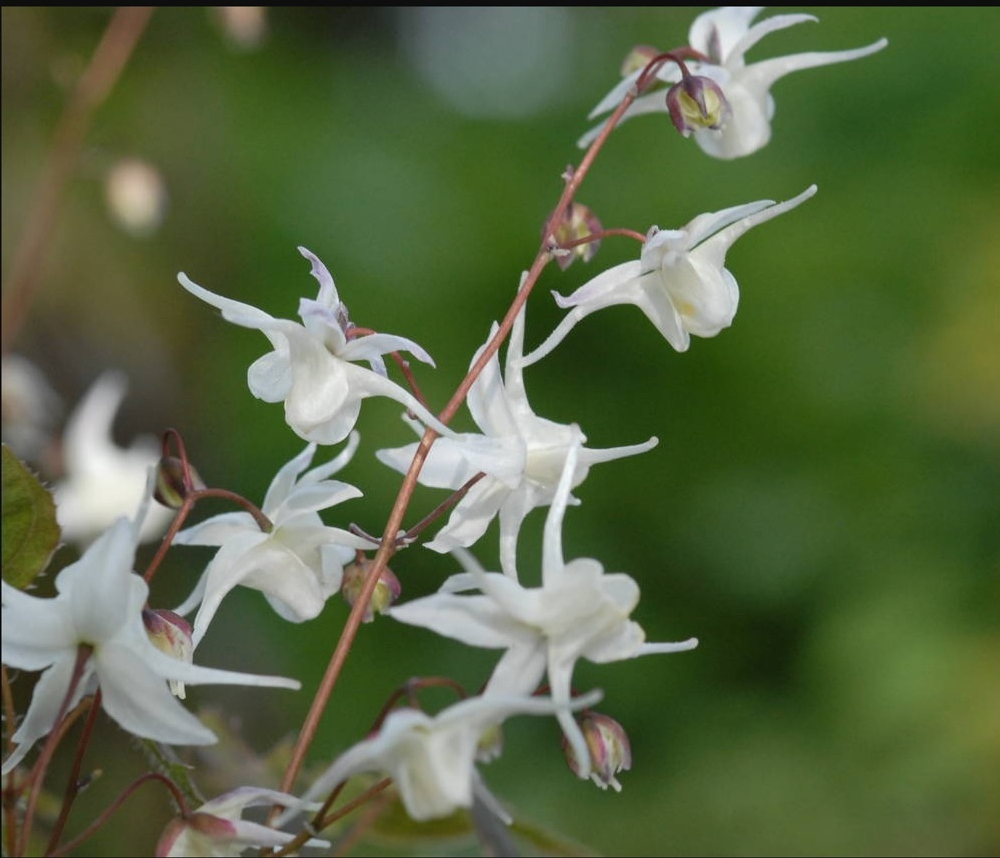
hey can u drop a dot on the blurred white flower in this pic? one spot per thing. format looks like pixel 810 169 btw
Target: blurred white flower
pixel 102 480
pixel 432 760
pixel 29 405
pixel 216 829
pixel 99 606
pixel 299 564
pixel 311 368
pixel 136 196
pixel 521 454
pixel 680 280
pixel 577 612
pixel 725 35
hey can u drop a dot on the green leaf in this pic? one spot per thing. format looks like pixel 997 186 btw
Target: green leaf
pixel 30 533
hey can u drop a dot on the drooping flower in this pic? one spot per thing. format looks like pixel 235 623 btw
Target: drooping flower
pixel 521 454
pixel 608 748
pixel 579 611
pixel 432 759
pixel 680 280
pixel 99 605
pixel 312 366
pixel 725 35
pixel 217 829
pixel 104 481
pixel 298 564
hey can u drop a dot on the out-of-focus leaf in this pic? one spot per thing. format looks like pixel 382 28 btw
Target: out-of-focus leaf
pixel 30 533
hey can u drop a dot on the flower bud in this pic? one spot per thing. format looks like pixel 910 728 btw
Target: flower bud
pixel 695 103
pixel 609 749
pixel 170 633
pixel 170 489
pixel 386 592
pixel 578 222
pixel 197 834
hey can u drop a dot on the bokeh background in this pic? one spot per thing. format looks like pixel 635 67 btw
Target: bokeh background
pixel 822 509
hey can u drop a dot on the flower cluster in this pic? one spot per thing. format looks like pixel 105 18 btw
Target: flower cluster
pixel 98 636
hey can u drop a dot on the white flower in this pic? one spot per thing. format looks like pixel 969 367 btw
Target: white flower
pixel 311 367
pixel 521 454
pixel 299 564
pixel 29 407
pixel 725 35
pixel 680 281
pixel 432 760
pixel 99 605
pixel 216 830
pixel 104 481
pixel 577 612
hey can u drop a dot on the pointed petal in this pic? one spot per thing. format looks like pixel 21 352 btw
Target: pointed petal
pixel 36 632
pixel 372 346
pixel 327 290
pixel 473 620
pixel 713 251
pixel 219 529
pixel 761 76
pixel 284 481
pixel 471 517
pixel 232 311
pixel 139 701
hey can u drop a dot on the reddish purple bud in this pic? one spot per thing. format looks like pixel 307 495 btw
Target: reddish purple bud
pixel 610 751
pixel 695 103
pixel 170 488
pixel 578 222
pixel 171 634
pixel 387 589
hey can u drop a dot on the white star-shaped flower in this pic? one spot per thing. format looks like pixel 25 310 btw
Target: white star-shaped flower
pixel 432 759
pixel 521 454
pixel 299 564
pixel 312 366
pixel 217 830
pixel 680 280
pixel 99 605
pixel 579 611
pixel 725 35
pixel 104 481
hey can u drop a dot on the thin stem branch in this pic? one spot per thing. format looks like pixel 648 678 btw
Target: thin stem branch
pixel 111 808
pixel 95 84
pixel 399 507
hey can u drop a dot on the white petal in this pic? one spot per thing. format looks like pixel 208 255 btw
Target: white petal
pixel 473 620
pixel 270 376
pixel 36 632
pixel 219 529
pixel 284 481
pixel 232 311
pixel 327 290
pixel 46 700
pixel 471 517
pixel 138 699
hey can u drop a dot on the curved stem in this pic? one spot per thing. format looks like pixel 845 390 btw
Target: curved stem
pixel 111 808
pixel 399 507
pixel 93 87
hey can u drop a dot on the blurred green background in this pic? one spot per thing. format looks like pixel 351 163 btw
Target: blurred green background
pixel 822 510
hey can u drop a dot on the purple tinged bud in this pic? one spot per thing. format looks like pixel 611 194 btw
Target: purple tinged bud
pixel 578 222
pixel 171 634
pixel 610 751
pixel 387 589
pixel 202 825
pixel 170 489
pixel 696 103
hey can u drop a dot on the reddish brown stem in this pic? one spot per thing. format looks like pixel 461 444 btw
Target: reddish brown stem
pixel 96 82
pixel 111 808
pixel 388 545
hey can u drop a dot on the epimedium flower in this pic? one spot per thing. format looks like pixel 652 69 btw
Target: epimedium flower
pixel 724 36
pixel 680 280
pixel 432 759
pixel 312 365
pixel 217 830
pixel 99 604
pixel 298 564
pixel 579 611
pixel 521 454
pixel 104 481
